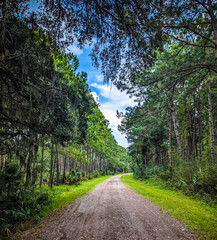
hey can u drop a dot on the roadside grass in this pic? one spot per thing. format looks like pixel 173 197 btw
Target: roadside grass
pixel 199 217
pixel 64 194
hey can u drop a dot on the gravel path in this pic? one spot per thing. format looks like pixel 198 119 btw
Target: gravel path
pixel 110 212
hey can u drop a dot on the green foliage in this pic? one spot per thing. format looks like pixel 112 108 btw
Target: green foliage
pixel 74 176
pixel 208 180
pixel 198 181
pixel 171 125
pixel 189 177
pixel 17 204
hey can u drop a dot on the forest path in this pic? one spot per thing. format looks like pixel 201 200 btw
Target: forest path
pixel 111 211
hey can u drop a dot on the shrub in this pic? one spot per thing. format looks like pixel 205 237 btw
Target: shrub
pixel 75 176
pixel 208 178
pixel 187 176
pixel 17 203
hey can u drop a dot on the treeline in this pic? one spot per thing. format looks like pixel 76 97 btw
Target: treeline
pixel 46 105
pixel 51 129
pixel 173 130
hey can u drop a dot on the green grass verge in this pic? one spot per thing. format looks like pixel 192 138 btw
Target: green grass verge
pixel 199 217
pixel 64 194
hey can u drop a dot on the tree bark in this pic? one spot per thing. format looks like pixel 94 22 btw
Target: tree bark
pixel 29 163
pixel 200 130
pixel 35 159
pixel 100 162
pixel 42 161
pixel 211 125
pixel 213 23
pixel 57 165
pixel 64 169
pixel 51 165
pixel 187 155
pixel 170 143
pixel 177 133
pixel 22 161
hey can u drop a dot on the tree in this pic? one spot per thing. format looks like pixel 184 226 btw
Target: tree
pixel 128 33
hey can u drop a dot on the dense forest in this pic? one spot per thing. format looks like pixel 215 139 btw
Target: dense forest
pixel 163 53
pixel 52 131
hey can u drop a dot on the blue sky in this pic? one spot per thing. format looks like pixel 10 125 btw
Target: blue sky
pixel 108 96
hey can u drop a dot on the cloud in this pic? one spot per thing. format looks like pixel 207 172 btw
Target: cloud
pixel 95 96
pixel 99 78
pixel 111 116
pixel 115 98
pixel 75 50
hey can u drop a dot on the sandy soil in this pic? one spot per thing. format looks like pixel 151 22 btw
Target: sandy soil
pixel 111 211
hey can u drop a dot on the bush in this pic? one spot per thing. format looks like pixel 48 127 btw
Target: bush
pixel 189 177
pixel 75 176
pixel 208 179
pixel 17 203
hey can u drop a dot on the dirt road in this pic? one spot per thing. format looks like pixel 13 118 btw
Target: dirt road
pixel 111 211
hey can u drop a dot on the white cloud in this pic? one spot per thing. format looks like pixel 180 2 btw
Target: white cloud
pixel 111 116
pixel 74 49
pixel 116 98
pixel 95 96
pixel 99 78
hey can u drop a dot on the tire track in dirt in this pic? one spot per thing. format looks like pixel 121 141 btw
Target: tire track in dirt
pixel 111 211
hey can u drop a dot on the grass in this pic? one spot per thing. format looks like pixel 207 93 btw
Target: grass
pixel 199 217
pixel 64 194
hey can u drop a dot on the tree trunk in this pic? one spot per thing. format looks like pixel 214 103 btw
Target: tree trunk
pixel 213 23
pixel 64 169
pixel 194 146
pixel 200 131
pixel 42 161
pixel 57 164
pixel 92 160
pixel 29 163
pixel 177 133
pixel 34 172
pixel 187 155
pixel 3 160
pixel 106 167
pixel 100 162
pixel 170 143
pixel 51 165
pixel 60 164
pixel 87 166
pixel 211 125
pixel 22 161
